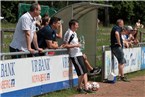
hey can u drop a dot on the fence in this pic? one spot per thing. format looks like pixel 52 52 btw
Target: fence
pixel 41 76
pixel 27 77
pixel 135 60
pixel 7 35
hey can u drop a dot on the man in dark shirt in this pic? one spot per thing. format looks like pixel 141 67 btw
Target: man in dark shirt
pixel 117 47
pixel 116 39
pixel 48 34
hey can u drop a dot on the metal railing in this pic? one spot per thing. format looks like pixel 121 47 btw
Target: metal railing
pixel 3 55
pixel 141 34
pixel 108 47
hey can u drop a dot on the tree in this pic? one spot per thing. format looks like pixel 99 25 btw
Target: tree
pixel 129 11
pixel 121 9
pixel 139 11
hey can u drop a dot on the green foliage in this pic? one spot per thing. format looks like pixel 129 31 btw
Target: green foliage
pixel 9 10
pixel 130 11
pixel 122 9
pixel 139 11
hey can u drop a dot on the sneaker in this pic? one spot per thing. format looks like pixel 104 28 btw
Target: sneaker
pixel 95 70
pixel 119 78
pixel 124 79
pixel 88 91
pixel 81 91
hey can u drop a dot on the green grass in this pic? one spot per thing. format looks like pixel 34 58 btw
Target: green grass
pixel 7 25
pixel 7 41
pixel 103 38
pixel 136 73
pixel 61 93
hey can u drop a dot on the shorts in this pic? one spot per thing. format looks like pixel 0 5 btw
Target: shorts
pixel 79 64
pixel 119 54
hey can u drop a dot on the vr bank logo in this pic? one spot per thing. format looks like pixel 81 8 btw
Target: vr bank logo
pixel 7 69
pixel 8 73
pixel 41 70
pixel 40 65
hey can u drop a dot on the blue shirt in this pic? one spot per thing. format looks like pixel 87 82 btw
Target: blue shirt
pixel 113 38
pixel 46 33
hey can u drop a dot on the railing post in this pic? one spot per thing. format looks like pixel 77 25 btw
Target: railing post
pixel 140 33
pixel 103 61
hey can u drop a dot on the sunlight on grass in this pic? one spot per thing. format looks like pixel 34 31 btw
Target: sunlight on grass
pixel 8 25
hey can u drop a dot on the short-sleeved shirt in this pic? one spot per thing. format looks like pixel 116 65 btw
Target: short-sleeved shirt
pixel 76 51
pixel 113 38
pixel 26 22
pixel 46 33
pixel 125 37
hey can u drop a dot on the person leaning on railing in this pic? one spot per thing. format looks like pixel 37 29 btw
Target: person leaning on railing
pixel 25 32
pixel 125 36
pixel 133 36
pixel 48 34
pixel 129 36
pixel 117 48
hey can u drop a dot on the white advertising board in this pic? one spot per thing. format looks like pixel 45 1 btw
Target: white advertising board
pixel 133 61
pixel 36 73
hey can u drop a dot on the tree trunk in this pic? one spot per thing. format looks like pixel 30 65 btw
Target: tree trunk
pixel 107 21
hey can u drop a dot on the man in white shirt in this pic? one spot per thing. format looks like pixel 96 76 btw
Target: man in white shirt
pixel 71 42
pixel 25 32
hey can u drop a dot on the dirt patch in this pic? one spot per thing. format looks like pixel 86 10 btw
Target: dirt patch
pixel 134 88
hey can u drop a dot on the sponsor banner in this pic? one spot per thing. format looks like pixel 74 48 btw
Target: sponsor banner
pixel 133 61
pixel 14 74
pixel 108 63
pixel 143 58
pixel 20 74
pixel 29 92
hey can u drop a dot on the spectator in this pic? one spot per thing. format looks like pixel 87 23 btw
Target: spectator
pixel 126 36
pixel 130 36
pixel 71 42
pixel 45 15
pixel 25 32
pixel 139 25
pixel 45 21
pixel 38 22
pixel 48 34
pixel 98 22
pixel 117 48
pixel 42 43
pixel 133 36
pixel 92 70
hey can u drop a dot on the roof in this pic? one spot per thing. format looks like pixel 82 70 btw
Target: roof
pixel 80 9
